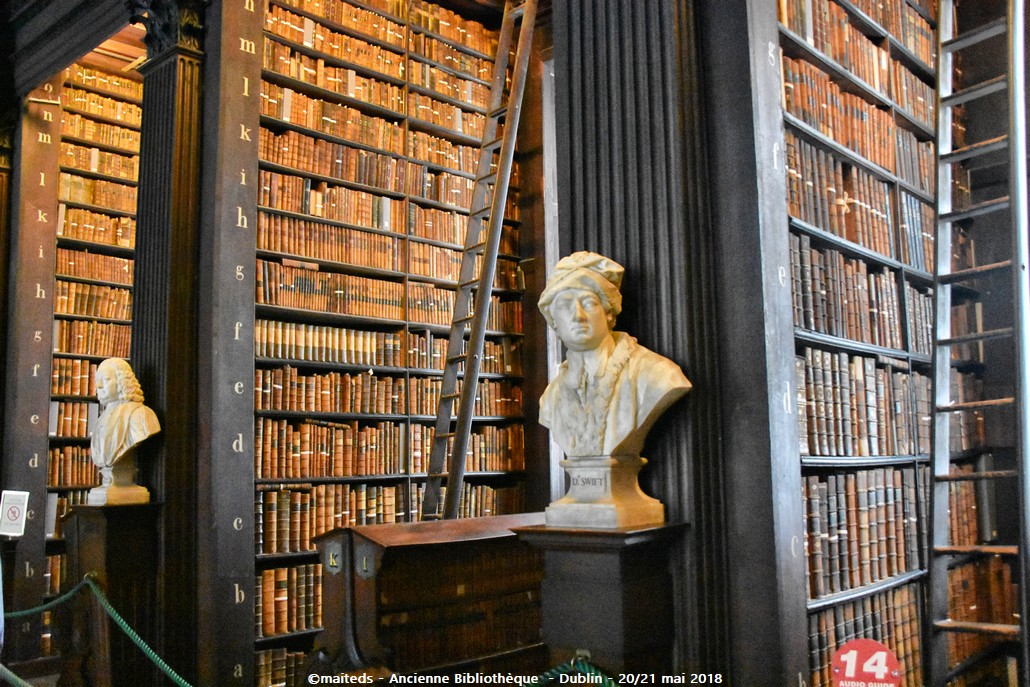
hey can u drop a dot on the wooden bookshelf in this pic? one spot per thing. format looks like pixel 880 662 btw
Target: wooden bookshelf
pixel 354 219
pixel 860 182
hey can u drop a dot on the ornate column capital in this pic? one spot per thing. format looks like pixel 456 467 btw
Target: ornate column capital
pixel 171 24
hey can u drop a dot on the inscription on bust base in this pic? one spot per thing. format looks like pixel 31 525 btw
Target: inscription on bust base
pixel 604 494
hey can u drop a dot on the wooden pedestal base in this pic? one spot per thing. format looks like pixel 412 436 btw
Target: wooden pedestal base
pixel 608 592
pixel 119 545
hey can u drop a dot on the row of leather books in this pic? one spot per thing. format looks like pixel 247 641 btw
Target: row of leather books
pixel 825 25
pixel 323 343
pixel 920 319
pixel 426 351
pixel 106 82
pixel 72 419
pixel 430 304
pixel 288 600
pixel 319 38
pixel 490 449
pixel 286 60
pixel 71 466
pixel 837 197
pixel 128 113
pixel 93 266
pixel 439 262
pixel 99 161
pixel 73 377
pixel 92 300
pixel 476 500
pixel 448 226
pixel 916 161
pixel 96 227
pixel 309 238
pixel 422 46
pixel 304 449
pixel 862 527
pixel 967 429
pixel 451 117
pixel 334 119
pixel 89 337
pixel 914 32
pixel 853 122
pixel 280 668
pixel 917 225
pixel 331 159
pixel 359 19
pixel 288 518
pixel 318 199
pixel 296 284
pixel 107 194
pixel 445 83
pixel 452 26
pixel 493 397
pixel 913 95
pixel 983 591
pixel 285 388
pixel 845 297
pixel 853 405
pixel 85 128
pixel 890 617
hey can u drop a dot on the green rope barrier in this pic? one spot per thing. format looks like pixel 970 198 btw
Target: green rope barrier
pixel 11 678
pixel 579 664
pixel 14 615
pixel 89 581
pixel 136 639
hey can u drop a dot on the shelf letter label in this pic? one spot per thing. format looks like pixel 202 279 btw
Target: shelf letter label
pixel 237 444
pixel 244 133
pixel 237 670
pixel 238 388
pixel 43 137
pixel 38 336
pixel 48 116
pixel 41 216
pixel 238 325
pixel 239 273
pixel 241 219
pixel 248 5
pixel 240 594
pixel 237 524
pixel 34 419
pixel 248 46
pixel 35 370
pixel 29 570
pixel 243 174
pixel 34 461
pixel 246 87
pixel 42 178
pixel 40 291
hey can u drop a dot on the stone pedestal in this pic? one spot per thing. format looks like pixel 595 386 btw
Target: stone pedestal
pixel 608 592
pixel 604 493
pixel 118 485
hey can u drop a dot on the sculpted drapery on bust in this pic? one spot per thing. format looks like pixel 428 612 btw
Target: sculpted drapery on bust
pixel 610 390
pixel 125 421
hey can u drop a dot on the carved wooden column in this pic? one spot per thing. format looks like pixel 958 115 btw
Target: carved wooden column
pixel 165 323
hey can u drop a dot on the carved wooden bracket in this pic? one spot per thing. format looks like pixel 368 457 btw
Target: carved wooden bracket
pixel 170 24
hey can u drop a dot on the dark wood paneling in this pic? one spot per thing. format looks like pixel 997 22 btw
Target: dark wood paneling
pixel 29 334
pixel 164 328
pixel 626 90
pixel 751 277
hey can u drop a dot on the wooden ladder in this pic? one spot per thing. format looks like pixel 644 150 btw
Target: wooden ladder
pixel 478 263
pixel 1000 221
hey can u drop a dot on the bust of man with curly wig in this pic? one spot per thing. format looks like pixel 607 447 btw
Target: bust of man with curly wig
pixel 124 421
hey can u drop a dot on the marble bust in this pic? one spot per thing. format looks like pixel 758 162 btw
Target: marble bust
pixel 124 422
pixel 606 395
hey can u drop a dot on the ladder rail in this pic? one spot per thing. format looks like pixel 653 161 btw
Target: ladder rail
pixel 1021 300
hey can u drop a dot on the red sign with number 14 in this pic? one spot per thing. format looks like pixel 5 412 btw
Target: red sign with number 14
pixel 865 663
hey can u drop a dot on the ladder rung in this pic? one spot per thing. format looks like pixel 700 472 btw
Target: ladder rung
pixel 444 435
pixel 988 206
pixel 986 549
pixel 475 246
pixel 974 476
pixel 499 112
pixel 973 272
pixel 437 475
pixel 463 319
pixel 490 178
pixel 470 282
pixel 977 628
pixel 980 90
pixel 494 144
pixel 981 33
pixel 449 397
pixel 975 337
pixel 481 212
pixel 518 11
pixel 976 405
pixel 455 359
pixel 975 150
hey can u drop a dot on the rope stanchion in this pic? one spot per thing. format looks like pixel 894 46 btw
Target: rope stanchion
pixel 90 581
pixel 581 664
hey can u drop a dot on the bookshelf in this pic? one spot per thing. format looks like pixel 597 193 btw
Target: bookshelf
pixel 368 126
pixel 858 116
pixel 99 171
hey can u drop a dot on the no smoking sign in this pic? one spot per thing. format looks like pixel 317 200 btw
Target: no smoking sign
pixel 13 507
pixel 865 663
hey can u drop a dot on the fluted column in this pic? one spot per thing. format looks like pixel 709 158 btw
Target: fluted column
pixel 631 180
